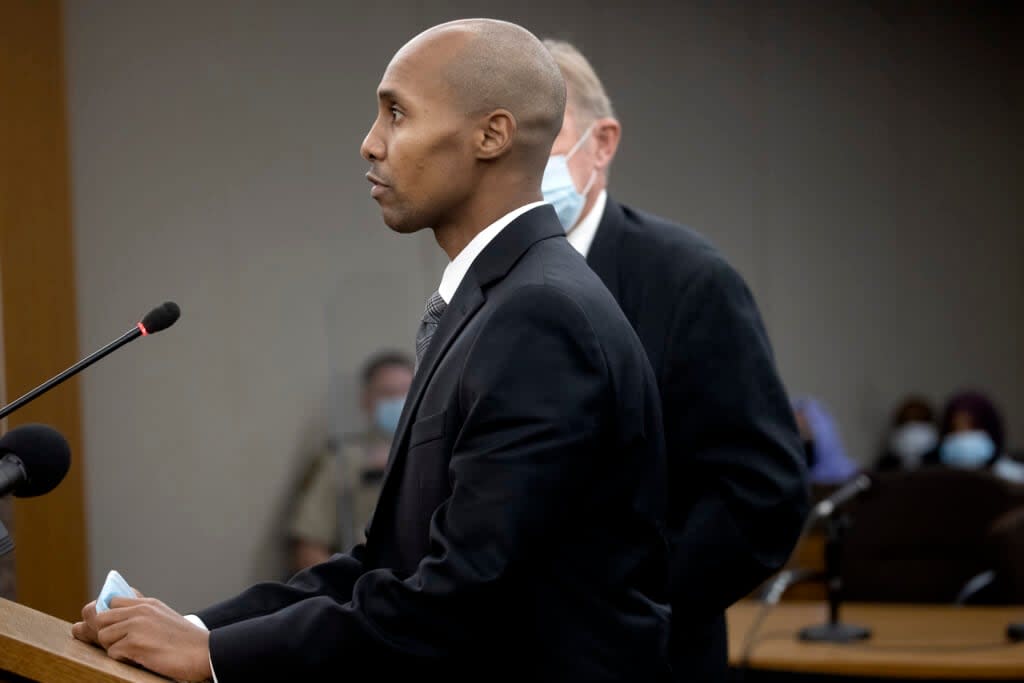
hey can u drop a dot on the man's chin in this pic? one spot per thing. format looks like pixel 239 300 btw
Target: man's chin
pixel 400 224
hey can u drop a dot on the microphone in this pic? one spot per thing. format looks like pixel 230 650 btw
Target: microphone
pixel 160 318
pixel 33 460
pixel 823 509
pixel 834 630
pixel 841 496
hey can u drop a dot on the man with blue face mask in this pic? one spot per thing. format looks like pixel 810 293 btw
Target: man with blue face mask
pixel 343 485
pixel 559 186
pixel 736 475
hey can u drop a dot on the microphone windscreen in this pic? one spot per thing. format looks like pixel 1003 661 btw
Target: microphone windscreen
pixel 43 452
pixel 161 317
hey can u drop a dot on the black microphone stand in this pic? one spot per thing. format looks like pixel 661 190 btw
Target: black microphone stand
pixel 834 631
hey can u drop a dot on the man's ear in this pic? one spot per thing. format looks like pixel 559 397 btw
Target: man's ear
pixel 607 132
pixel 497 131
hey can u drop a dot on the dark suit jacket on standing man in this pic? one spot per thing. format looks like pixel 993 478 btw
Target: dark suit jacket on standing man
pixel 519 532
pixel 736 474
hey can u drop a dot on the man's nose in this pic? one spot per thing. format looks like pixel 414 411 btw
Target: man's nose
pixel 372 148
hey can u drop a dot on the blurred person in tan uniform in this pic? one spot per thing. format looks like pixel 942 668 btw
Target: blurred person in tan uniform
pixel 338 495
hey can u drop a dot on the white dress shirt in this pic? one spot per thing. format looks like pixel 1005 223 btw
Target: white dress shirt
pixel 459 266
pixel 582 236
pixel 450 281
pixel 199 622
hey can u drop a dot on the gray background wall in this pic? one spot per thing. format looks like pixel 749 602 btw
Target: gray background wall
pixel 860 165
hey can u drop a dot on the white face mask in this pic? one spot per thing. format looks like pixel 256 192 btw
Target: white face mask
pixel 911 441
pixel 559 189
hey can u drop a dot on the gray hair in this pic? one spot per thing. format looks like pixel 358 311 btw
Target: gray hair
pixel 588 100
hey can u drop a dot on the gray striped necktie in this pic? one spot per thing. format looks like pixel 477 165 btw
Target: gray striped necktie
pixel 431 317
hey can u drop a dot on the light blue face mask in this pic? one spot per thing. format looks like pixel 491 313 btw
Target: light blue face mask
pixel 559 189
pixel 912 441
pixel 387 413
pixel 967 450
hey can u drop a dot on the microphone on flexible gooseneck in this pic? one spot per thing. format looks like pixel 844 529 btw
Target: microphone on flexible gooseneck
pixel 846 493
pixel 160 318
pixel 823 509
pixel 34 458
pixel 771 595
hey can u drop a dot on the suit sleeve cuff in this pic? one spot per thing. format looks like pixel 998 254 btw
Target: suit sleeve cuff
pixel 193 619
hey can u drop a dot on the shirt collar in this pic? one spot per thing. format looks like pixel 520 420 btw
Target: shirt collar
pixel 582 236
pixel 456 270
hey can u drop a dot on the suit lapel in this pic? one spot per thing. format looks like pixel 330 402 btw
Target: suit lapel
pixel 604 256
pixel 491 265
pixel 467 301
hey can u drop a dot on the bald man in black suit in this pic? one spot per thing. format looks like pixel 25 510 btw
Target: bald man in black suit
pixel 519 532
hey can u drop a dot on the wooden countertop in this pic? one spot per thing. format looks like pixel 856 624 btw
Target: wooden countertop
pixel 40 647
pixel 908 641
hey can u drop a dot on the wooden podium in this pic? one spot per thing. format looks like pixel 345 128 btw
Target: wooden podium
pixel 37 647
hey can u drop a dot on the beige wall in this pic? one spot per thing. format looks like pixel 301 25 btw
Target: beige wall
pixel 863 171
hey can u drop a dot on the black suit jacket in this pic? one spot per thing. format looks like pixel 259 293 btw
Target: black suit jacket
pixel 737 480
pixel 519 531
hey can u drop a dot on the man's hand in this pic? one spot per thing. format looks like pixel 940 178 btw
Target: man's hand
pixel 147 632
pixel 85 630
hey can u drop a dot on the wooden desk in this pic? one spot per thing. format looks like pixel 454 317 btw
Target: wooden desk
pixel 37 647
pixel 908 641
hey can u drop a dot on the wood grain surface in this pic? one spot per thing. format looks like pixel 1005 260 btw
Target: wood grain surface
pixel 40 647
pixel 908 641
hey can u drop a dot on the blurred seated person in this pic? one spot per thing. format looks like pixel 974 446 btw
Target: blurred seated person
pixel 827 461
pixel 341 490
pixel 973 437
pixel 912 435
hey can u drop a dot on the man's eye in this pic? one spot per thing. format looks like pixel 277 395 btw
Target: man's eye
pixel 395 113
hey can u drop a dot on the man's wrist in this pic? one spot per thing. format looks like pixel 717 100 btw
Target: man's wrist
pixel 196 621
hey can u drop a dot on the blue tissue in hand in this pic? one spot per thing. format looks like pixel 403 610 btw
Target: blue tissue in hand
pixel 114 587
